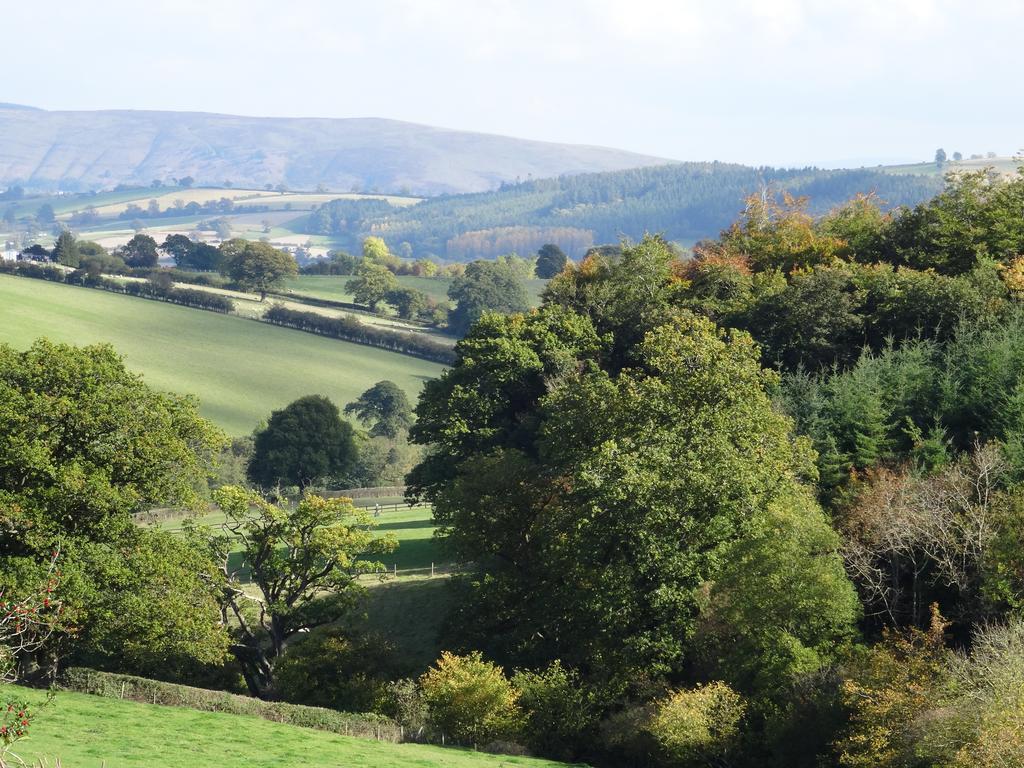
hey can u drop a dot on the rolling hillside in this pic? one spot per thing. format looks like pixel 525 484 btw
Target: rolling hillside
pixel 84 731
pixel 239 369
pixel 684 201
pixel 100 149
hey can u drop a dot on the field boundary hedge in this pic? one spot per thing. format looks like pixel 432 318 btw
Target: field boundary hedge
pixel 350 329
pixel 186 297
pixel 140 689
pixel 342 328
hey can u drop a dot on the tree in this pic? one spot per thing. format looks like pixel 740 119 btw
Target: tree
pixel 303 559
pixel 376 251
pixel 470 700
pixel 958 156
pixel 305 442
pixel 256 266
pixel 186 181
pixel 408 302
pixel 140 251
pixel 485 287
pixel 550 261
pixel 36 252
pixel 385 407
pixel 84 443
pixel 887 690
pixel 147 604
pixel 178 247
pixel 371 284
pixel 45 214
pixel 65 250
pixel 763 640
pixel 556 473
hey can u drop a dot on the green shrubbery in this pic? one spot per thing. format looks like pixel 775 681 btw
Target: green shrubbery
pixel 470 701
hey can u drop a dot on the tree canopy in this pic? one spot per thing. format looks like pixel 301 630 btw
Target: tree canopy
pixel 485 287
pixel 385 407
pixel 256 266
pixel 305 442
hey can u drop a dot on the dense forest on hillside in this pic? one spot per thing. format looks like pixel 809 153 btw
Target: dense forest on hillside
pixel 684 202
pixel 761 506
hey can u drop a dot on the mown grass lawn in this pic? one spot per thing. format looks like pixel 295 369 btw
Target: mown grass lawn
pixel 86 731
pixel 241 370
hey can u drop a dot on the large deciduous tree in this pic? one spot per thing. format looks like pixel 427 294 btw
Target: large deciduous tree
pixel 84 443
pixel 371 284
pixel 302 443
pixel 485 287
pixel 140 251
pixel 256 266
pixel 550 261
pixel 303 559
pixel 385 408
pixel 600 461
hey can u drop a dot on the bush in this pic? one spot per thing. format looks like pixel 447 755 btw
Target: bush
pixel 332 668
pixel 559 713
pixel 470 701
pixel 404 702
pixel 114 686
pixel 698 726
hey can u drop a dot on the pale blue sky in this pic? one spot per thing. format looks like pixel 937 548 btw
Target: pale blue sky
pixel 830 82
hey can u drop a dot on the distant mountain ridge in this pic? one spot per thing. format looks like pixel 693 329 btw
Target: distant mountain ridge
pixel 85 150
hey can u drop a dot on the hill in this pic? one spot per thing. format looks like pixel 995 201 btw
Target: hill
pixel 239 369
pixel 85 150
pixel 684 201
pixel 86 731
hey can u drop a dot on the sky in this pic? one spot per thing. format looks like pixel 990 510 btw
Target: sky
pixel 764 82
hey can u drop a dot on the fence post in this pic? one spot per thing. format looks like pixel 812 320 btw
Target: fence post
pixel 396 570
pixel 431 569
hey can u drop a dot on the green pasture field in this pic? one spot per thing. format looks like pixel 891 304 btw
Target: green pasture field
pixel 1005 165
pixel 241 370
pixel 84 731
pixel 113 203
pixel 332 287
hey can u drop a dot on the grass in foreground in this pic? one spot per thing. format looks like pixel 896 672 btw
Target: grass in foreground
pixel 87 732
pixel 241 370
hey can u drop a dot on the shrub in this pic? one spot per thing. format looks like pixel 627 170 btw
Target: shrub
pixel 470 700
pixel 559 713
pixel 698 726
pixel 404 702
pixel 332 668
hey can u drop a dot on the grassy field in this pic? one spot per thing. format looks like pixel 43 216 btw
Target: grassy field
pixel 1006 165
pixel 89 732
pixel 332 287
pixel 114 203
pixel 239 369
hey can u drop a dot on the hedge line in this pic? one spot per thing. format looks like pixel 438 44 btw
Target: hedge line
pixel 187 297
pixel 350 329
pixel 114 686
